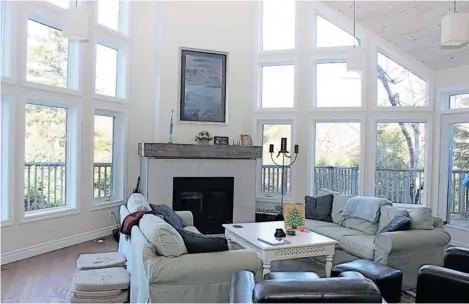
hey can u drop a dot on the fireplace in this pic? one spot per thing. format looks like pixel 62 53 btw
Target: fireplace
pixel 210 199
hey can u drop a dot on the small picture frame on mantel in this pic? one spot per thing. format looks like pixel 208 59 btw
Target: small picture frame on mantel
pixel 221 140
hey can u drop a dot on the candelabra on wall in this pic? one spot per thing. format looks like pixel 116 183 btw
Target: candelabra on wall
pixel 285 156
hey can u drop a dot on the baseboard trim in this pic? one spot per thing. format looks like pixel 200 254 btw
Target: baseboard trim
pixel 28 252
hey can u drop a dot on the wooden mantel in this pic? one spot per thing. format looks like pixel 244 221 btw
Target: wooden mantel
pixel 185 151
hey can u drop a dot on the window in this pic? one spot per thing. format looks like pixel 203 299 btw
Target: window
pixel 335 87
pixel 4 180
pixel 103 184
pixel 48 51
pixel 46 169
pixel 459 101
pixel 273 178
pixel 397 86
pixel 278 25
pixel 106 70
pixel 4 39
pixel 330 35
pixel 278 86
pixel 337 156
pixel 112 14
pixel 400 153
pixel 60 3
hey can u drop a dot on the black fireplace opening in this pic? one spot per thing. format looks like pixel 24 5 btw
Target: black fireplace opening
pixel 210 199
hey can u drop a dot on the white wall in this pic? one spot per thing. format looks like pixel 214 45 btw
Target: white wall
pixel 453 79
pixel 22 239
pixel 225 26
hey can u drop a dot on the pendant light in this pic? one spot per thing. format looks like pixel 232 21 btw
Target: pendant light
pixel 454 29
pixel 76 23
pixel 355 56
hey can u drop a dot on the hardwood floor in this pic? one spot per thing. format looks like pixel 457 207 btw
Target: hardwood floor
pixel 46 278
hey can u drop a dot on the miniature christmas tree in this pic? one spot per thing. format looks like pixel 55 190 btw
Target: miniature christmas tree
pixel 295 219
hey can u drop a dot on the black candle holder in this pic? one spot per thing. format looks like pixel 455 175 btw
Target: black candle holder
pixel 285 155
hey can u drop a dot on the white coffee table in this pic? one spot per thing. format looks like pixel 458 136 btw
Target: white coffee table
pixel 303 244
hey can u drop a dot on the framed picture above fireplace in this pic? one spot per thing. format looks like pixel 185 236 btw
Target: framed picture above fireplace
pixel 203 86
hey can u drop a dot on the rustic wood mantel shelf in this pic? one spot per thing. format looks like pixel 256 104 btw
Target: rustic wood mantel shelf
pixel 185 151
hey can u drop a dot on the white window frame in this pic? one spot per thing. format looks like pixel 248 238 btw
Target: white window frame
pixel 260 32
pixel 49 15
pixel 124 19
pixel 345 26
pixel 362 148
pixel 258 139
pixel 7 174
pixel 428 153
pixel 72 161
pixel 445 97
pixel 122 69
pixel 258 89
pixel 6 34
pixel 424 75
pixel 315 106
pixel 118 159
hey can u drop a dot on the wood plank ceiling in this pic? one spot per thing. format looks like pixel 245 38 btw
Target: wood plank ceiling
pixel 412 26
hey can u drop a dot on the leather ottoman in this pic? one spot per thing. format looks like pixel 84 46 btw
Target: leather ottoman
pixel 388 280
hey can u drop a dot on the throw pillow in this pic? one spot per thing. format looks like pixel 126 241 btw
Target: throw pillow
pixel 165 239
pixel 319 208
pixel 137 202
pixel 400 222
pixel 199 243
pixel 168 215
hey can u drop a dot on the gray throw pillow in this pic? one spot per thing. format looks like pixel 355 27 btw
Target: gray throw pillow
pixel 400 222
pixel 168 215
pixel 319 208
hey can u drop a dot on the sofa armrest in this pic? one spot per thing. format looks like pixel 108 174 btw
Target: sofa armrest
pixel 457 258
pixel 241 287
pixel 187 217
pixel 442 285
pixel 410 240
pixel 123 212
pixel 201 268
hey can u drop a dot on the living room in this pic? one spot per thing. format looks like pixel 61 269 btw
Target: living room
pixel 384 114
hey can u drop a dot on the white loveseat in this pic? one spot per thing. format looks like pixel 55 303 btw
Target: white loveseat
pixel 193 278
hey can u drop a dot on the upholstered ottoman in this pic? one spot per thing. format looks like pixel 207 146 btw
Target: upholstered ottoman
pixel 100 260
pixel 388 280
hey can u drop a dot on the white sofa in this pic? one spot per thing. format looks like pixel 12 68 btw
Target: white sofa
pixel 194 278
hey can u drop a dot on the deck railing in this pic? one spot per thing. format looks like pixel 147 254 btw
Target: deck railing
pixel 398 185
pixel 45 186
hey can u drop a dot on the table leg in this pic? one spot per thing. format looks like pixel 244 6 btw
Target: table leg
pixel 329 265
pixel 266 266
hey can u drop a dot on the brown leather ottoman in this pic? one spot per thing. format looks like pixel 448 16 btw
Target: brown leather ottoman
pixel 388 280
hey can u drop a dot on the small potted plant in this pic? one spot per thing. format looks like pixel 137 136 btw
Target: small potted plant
pixel 203 138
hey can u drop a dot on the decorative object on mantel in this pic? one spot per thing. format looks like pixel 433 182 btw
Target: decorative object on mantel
pixel 285 154
pixel 294 214
pixel 203 86
pixel 171 128
pixel 203 138
pixel 246 140
pixel 221 140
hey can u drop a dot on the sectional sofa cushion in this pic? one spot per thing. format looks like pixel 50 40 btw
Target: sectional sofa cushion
pixel 361 225
pixel 101 279
pixel 168 215
pixel 164 238
pixel 360 245
pixel 331 230
pixel 199 243
pixel 400 222
pixel 338 205
pixel 122 297
pixel 319 208
pixel 420 216
pixel 137 202
pixel 387 213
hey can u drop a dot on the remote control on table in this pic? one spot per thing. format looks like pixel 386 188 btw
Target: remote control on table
pixel 237 226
